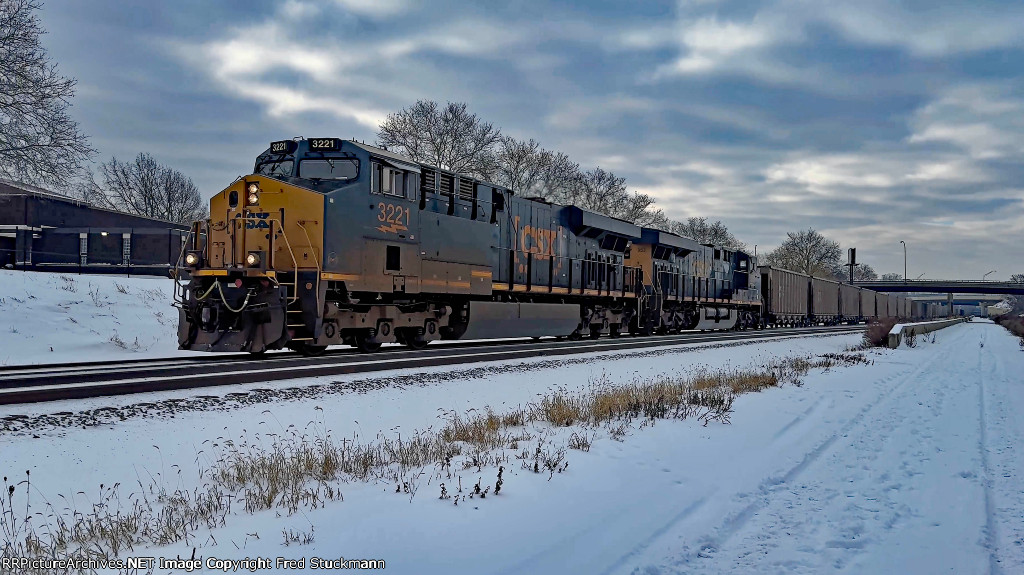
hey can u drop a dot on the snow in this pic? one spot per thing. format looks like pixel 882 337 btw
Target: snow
pixel 55 318
pixel 907 465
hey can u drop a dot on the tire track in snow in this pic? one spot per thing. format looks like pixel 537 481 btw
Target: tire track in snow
pixel 710 544
pixel 1005 404
pixel 785 429
pixel 991 540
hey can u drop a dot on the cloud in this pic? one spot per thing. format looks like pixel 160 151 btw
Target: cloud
pixel 939 30
pixel 985 120
pixel 375 8
pixel 872 121
pixel 709 43
pixel 351 74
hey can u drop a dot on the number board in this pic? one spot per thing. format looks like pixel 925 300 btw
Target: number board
pixel 324 144
pixel 283 147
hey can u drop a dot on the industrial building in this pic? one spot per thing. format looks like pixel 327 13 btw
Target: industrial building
pixel 41 230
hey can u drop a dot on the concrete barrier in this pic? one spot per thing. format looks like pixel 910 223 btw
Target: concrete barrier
pixel 901 330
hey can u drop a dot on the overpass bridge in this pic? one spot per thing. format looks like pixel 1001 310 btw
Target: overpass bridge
pixel 944 286
pixel 954 292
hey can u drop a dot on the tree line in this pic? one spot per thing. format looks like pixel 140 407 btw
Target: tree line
pixel 453 138
pixel 41 143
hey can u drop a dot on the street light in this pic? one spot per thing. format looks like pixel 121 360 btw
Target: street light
pixel 919 277
pixel 904 259
pixel 986 275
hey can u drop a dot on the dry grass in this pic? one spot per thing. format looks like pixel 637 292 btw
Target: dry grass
pixel 1013 323
pixel 877 333
pixel 298 470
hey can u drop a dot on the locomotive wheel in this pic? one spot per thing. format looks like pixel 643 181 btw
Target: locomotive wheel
pixel 575 336
pixel 613 331
pixel 595 333
pixel 364 344
pixel 414 343
pixel 411 338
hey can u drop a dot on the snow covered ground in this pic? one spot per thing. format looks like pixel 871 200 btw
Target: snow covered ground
pixel 909 465
pixel 52 318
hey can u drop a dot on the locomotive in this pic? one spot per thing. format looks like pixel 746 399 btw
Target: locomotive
pixel 333 241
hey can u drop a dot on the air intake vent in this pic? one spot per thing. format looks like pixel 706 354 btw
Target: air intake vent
pixel 447 184
pixel 466 188
pixel 428 182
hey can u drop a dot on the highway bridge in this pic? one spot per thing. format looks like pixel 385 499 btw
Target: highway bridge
pixel 944 286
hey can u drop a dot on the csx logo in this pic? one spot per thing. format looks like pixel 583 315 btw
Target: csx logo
pixel 260 224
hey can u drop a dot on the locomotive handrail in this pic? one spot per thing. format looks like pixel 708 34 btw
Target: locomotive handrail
pixel 627 273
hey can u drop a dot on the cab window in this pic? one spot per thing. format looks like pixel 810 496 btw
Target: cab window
pixel 329 169
pixel 281 169
pixel 389 181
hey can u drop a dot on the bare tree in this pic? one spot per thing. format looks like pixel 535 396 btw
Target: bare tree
pixel 560 182
pixel 39 141
pixel 807 252
pixel 864 272
pixel 892 277
pixel 450 138
pixel 520 165
pixel 146 188
pixel 705 232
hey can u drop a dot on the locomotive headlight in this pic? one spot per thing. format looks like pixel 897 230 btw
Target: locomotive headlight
pixel 253 259
pixel 192 259
pixel 253 197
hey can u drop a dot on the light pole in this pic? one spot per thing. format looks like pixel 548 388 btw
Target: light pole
pixel 986 275
pixel 904 260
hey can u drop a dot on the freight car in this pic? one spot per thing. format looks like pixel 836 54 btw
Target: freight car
pixel 849 303
pixel 786 296
pixel 824 301
pixel 331 241
pixel 868 309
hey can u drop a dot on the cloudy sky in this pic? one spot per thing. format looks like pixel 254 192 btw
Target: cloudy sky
pixel 871 121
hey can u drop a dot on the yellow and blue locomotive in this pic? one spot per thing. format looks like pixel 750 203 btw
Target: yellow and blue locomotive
pixel 333 241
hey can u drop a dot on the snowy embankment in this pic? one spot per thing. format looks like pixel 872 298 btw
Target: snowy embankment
pixel 56 318
pixel 907 465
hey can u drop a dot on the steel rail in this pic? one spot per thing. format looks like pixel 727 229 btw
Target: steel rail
pixel 57 382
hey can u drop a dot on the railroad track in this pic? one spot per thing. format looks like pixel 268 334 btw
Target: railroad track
pixel 28 384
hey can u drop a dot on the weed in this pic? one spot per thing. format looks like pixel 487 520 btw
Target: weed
pixel 97 297
pixel 910 340
pixel 877 333
pixel 1013 323
pixel 580 441
pixel 297 537
pixel 117 341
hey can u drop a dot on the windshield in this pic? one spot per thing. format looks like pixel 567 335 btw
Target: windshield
pixel 281 169
pixel 329 169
